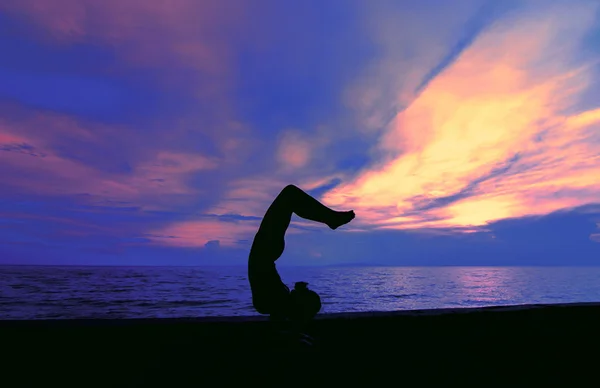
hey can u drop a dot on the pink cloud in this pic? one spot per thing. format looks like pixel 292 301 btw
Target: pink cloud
pixel 294 150
pixel 196 234
pixel 192 43
pixel 9 138
pixel 168 172
pixel 500 96
pixel 175 36
pixel 249 197
pixel 181 32
pixel 31 164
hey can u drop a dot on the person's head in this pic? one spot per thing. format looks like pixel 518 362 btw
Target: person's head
pixel 305 303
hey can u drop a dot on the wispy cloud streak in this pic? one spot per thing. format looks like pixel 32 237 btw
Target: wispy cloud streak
pixel 493 136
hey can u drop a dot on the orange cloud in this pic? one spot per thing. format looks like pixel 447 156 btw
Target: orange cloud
pixel 410 50
pixel 491 131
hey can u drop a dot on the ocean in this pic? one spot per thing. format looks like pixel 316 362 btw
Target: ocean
pixel 39 292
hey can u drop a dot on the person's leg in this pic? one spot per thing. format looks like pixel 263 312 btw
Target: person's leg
pixel 269 240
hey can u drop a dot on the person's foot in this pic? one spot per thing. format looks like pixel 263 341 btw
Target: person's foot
pixel 341 218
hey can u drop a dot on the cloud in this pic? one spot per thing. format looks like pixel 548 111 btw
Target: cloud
pixel 213 244
pixel 170 169
pixel 596 236
pixel 408 51
pixel 492 126
pixel 186 49
pixel 293 150
pixel 154 33
pixel 55 155
pixel 200 233
pixel 464 123
pixel 235 218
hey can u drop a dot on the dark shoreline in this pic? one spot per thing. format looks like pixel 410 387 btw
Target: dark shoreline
pixel 172 352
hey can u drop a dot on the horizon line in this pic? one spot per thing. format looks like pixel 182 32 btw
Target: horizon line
pixel 346 265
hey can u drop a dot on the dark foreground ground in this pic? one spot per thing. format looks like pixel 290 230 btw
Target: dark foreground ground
pixel 518 345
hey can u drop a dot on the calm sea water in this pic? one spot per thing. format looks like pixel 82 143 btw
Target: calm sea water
pixel 141 292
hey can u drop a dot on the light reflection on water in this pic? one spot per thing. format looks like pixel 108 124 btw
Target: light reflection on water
pixel 136 292
pixel 401 288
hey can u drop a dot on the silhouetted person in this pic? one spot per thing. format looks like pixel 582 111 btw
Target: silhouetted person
pixel 269 294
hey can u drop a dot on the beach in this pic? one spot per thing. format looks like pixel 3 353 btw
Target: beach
pixel 348 347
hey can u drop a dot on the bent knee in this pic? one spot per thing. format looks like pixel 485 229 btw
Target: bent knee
pixel 289 189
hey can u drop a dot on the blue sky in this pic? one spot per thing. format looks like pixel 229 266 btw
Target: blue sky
pixel 139 132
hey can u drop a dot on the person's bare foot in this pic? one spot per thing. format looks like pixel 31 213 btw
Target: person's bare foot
pixel 341 218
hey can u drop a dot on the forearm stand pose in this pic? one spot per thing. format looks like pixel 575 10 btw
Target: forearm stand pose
pixel 269 294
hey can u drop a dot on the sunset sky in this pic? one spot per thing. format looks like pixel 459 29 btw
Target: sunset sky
pixel 154 132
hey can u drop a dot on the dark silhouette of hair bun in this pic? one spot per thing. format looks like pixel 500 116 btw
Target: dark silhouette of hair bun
pixel 305 302
pixel 300 286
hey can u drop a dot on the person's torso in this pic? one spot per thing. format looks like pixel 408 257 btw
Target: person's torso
pixel 264 278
